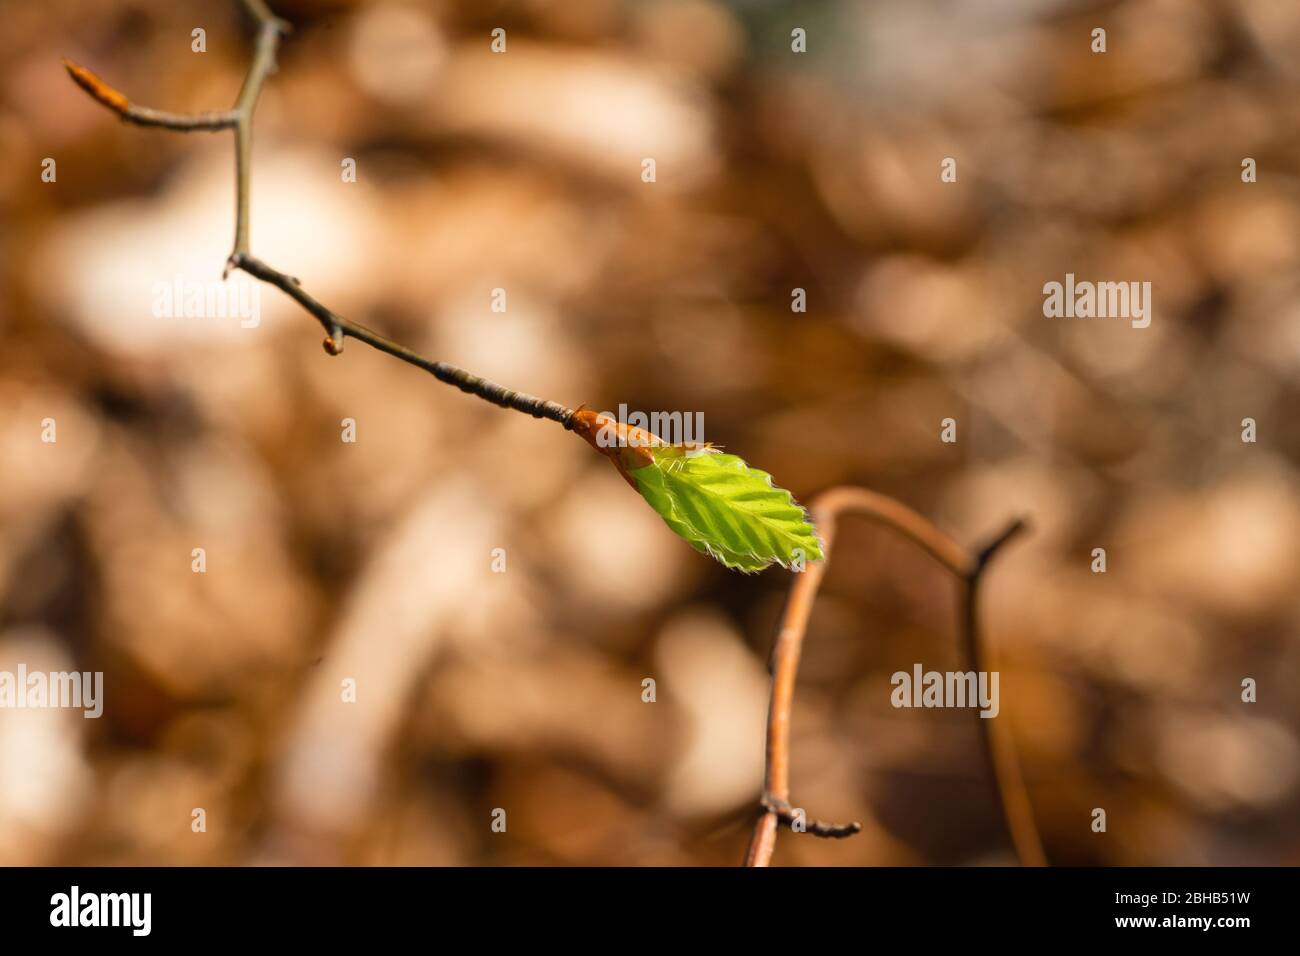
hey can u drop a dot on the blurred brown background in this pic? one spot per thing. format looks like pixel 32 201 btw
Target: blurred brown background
pixel 775 170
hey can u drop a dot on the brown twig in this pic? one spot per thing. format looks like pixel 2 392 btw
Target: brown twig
pixel 270 29
pixel 798 822
pixel 143 115
pixel 826 509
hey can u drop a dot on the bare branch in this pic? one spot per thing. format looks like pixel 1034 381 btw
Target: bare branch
pixel 269 30
pixel 998 746
pixel 826 509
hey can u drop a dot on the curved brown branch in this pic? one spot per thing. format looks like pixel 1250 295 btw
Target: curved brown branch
pixel 826 509
pixel 270 29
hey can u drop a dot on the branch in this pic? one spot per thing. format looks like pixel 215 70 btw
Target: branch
pixel 796 821
pixel 998 746
pixel 143 115
pixel 826 509
pixel 270 29
pixel 338 328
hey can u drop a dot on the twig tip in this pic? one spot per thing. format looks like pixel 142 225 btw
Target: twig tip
pixel 97 88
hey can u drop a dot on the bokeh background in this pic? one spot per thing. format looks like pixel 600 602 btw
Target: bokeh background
pixel 522 690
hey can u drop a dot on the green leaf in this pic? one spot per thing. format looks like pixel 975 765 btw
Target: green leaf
pixel 725 508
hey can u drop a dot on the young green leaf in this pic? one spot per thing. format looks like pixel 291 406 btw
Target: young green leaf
pixel 725 508
pixel 716 502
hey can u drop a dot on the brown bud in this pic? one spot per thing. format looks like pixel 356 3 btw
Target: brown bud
pixel 627 446
pixel 97 88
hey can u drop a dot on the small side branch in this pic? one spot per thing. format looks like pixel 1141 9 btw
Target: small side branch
pixel 799 823
pixel 116 101
pixel 967 566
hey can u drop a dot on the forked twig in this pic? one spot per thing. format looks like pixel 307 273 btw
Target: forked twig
pixel 270 29
pixel 997 744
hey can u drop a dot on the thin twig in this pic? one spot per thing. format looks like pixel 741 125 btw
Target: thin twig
pixel 270 29
pixel 143 115
pixel 826 509
pixel 337 328
pixel 793 818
